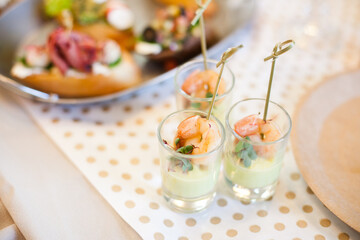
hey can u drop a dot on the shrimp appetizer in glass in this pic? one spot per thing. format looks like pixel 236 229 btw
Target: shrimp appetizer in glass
pixel 190 154
pixel 255 148
pixel 195 87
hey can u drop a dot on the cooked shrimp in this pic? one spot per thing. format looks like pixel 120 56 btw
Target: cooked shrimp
pixel 200 83
pixel 203 134
pixel 258 131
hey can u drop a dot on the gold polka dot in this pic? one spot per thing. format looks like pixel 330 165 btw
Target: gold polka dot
pixel 147 176
pixel 238 216
pixel 76 120
pixel 222 202
pixel 206 236
pixel 122 146
pixel 295 176
pixel 120 124
pixel 231 232
pixel 309 191
pixel 106 108
pixel 159 236
pixel 183 238
pixel 159 191
pixel 101 148
pixel 90 159
pixel 134 161
pixel 140 191
pixel 168 223
pixel 284 209
pixel 129 204
pixel 139 121
pixel 89 133
pixel 154 205
pixel 190 222
pixel 147 107
pixel 45 109
pixel 290 195
pixel 279 226
pixel 255 228
pixel 113 162
pixel 262 213
pixel 55 120
pixel 155 95
pixel 144 146
pixel 144 219
pixel 167 105
pixel 110 133
pixel 301 224
pixel 307 208
pixel 79 146
pixel 215 220
pixel 132 134
pixel 159 119
pixel 245 202
pixel 325 222
pixel 151 134
pixel 103 174
pixel 156 161
pixel 98 123
pixel 116 188
pixel 296 238
pixel 67 134
pixel 343 236
pixel 127 109
pixel 319 237
pixel 126 176
pixel 85 110
pixel 269 199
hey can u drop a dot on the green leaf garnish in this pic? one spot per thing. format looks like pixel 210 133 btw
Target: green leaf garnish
pixel 246 161
pixel 187 166
pixel 23 61
pixel 196 105
pixel 209 95
pixel 239 146
pixel 245 151
pixel 186 149
pixel 177 140
pixel 114 64
pixel 184 163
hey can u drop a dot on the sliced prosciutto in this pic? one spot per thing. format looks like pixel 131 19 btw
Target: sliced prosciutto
pixel 69 49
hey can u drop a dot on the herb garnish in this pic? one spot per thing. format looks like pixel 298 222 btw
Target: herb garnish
pixel 196 105
pixel 114 64
pixel 209 95
pixel 184 163
pixel 245 151
pixel 186 149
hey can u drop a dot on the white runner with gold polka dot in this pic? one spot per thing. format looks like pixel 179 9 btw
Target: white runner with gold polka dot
pixel 115 146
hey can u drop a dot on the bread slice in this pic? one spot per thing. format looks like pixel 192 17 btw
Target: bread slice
pixel 126 74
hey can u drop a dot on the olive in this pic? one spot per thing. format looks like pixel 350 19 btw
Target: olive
pixel 182 11
pixel 149 34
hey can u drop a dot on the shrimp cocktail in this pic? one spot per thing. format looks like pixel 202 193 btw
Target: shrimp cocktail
pixel 190 153
pixel 195 87
pixel 255 148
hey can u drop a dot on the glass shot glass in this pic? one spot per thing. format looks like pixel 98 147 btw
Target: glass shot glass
pixel 185 101
pixel 188 181
pixel 251 165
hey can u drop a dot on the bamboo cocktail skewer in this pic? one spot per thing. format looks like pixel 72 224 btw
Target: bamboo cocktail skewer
pixel 279 49
pixel 225 56
pixel 199 16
